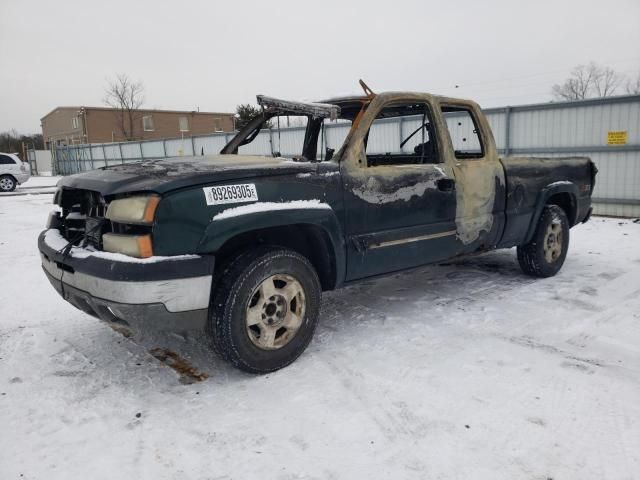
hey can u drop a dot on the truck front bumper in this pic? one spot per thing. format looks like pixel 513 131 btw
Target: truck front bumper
pixel 170 294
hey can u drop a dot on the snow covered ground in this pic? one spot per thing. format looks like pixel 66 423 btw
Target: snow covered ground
pixel 462 371
pixel 39 182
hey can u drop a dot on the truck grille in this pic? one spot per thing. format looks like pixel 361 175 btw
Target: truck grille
pixel 83 217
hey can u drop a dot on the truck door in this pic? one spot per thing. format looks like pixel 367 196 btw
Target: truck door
pixel 399 195
pixel 479 176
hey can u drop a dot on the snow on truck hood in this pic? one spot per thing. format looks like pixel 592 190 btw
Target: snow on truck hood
pixel 161 176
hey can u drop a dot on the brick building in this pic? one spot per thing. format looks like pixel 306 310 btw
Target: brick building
pixel 76 125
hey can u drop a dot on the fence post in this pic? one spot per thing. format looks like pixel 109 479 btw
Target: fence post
pixel 507 131
pixel 141 152
pixel 54 167
pixel 104 154
pixel 120 150
pixel 400 122
pixel 193 146
pixel 91 157
pixel 164 147
pixel 270 142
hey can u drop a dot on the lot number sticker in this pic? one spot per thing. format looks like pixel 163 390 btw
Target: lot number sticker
pixel 230 194
pixel 617 137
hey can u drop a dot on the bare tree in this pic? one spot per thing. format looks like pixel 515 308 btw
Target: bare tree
pixel 605 81
pixel 125 97
pixel 633 85
pixel 11 141
pixel 587 81
pixel 577 86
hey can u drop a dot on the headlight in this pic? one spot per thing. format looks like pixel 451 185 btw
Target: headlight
pixel 133 245
pixel 140 209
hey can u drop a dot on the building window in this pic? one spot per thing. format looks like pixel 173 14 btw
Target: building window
pixel 183 124
pixel 74 122
pixel 147 123
pixel 217 125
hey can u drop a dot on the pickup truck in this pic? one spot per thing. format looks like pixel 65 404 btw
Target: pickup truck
pixel 241 246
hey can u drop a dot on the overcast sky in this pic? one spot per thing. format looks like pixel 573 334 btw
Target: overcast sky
pixel 214 55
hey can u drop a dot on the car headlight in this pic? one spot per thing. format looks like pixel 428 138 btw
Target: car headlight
pixel 133 245
pixel 140 209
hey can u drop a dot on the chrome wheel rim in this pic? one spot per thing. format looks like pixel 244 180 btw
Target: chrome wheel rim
pixel 553 242
pixel 275 312
pixel 6 184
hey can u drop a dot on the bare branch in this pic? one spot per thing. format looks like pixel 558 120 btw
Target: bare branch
pixel 605 81
pixel 632 86
pixel 587 81
pixel 125 97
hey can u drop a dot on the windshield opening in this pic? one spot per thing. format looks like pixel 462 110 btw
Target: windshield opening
pixel 286 133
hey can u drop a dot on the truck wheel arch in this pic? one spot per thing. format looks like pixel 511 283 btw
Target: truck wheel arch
pixel 562 194
pixel 316 234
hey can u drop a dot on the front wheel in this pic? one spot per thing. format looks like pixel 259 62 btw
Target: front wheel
pixel 544 255
pixel 264 309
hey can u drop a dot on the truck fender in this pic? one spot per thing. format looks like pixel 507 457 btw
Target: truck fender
pixel 221 230
pixel 543 197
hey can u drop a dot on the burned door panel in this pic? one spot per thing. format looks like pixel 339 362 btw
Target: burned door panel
pixel 398 219
pixel 400 201
pixel 479 177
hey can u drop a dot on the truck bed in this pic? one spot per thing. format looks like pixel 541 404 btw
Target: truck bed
pixel 530 181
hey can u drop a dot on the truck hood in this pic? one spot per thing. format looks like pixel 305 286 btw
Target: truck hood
pixel 168 174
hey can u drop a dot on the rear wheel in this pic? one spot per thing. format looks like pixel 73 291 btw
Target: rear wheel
pixel 544 255
pixel 264 310
pixel 7 183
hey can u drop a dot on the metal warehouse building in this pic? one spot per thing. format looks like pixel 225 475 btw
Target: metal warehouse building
pixel 605 129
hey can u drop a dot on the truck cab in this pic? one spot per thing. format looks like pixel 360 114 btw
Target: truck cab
pixel 436 194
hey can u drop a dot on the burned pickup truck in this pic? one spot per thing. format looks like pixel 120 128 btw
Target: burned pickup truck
pixel 241 245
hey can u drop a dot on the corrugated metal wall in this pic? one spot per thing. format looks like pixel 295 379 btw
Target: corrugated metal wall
pixel 582 128
pixel 550 129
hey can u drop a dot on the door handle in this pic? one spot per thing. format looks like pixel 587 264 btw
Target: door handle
pixel 446 184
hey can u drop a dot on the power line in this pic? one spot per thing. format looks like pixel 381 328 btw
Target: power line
pixel 540 74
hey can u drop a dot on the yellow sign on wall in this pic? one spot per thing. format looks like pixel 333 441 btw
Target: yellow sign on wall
pixel 618 137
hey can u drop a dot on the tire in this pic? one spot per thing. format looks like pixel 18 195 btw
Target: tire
pixel 264 309
pixel 544 255
pixel 7 183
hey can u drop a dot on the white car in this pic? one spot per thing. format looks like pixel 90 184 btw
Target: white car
pixel 13 171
